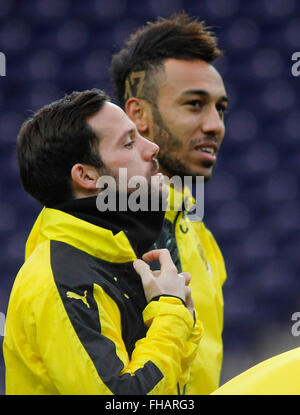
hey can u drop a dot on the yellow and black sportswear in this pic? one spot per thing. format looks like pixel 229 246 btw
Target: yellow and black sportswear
pixel 194 250
pixel 78 321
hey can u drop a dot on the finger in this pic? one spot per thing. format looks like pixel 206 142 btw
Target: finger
pixel 143 270
pixel 188 293
pixel 188 298
pixel 182 281
pixel 151 255
pixel 187 276
pixel 164 258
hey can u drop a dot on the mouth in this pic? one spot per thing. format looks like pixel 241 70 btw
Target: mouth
pixel 155 167
pixel 207 151
pixel 158 178
pixel 155 173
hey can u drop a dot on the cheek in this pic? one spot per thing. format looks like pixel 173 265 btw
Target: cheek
pixel 184 125
pixel 118 159
pixel 182 133
pixel 223 132
pixel 171 137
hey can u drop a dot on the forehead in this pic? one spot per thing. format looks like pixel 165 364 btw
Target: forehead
pixel 109 121
pixel 184 75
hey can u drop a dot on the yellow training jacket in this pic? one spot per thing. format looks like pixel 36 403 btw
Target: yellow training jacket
pixel 78 321
pixel 278 375
pixel 200 255
pixel 194 250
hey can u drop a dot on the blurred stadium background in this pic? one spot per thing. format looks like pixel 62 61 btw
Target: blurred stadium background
pixel 252 203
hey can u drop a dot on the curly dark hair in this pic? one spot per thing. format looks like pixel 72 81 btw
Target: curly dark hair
pixel 179 36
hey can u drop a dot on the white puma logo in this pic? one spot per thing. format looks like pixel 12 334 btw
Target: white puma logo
pixel 70 294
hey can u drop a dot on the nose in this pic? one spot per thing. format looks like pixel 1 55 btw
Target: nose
pixel 212 122
pixel 149 149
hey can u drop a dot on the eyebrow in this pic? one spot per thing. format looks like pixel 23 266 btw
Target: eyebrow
pixel 127 132
pixel 204 94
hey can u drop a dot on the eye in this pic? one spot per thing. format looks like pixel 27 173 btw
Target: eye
pixel 222 109
pixel 195 103
pixel 129 144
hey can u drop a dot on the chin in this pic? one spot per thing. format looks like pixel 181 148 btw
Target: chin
pixel 201 173
pixel 207 178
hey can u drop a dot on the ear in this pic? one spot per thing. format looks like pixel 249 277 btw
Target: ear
pixel 84 179
pixel 140 113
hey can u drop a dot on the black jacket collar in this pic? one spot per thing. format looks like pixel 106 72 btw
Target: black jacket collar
pixel 142 228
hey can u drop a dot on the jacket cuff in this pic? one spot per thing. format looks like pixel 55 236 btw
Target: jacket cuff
pixel 174 296
pixel 156 298
pixel 167 305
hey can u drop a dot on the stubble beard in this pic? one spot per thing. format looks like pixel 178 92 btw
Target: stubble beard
pixel 168 144
pixel 152 187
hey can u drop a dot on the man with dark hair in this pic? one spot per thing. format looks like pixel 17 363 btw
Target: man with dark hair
pixel 165 81
pixel 85 315
pixel 51 142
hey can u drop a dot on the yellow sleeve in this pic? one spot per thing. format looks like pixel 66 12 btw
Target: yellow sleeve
pixel 191 349
pixel 155 364
pixel 167 344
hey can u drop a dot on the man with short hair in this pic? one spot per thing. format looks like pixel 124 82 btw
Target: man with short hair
pixel 86 315
pixel 165 81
